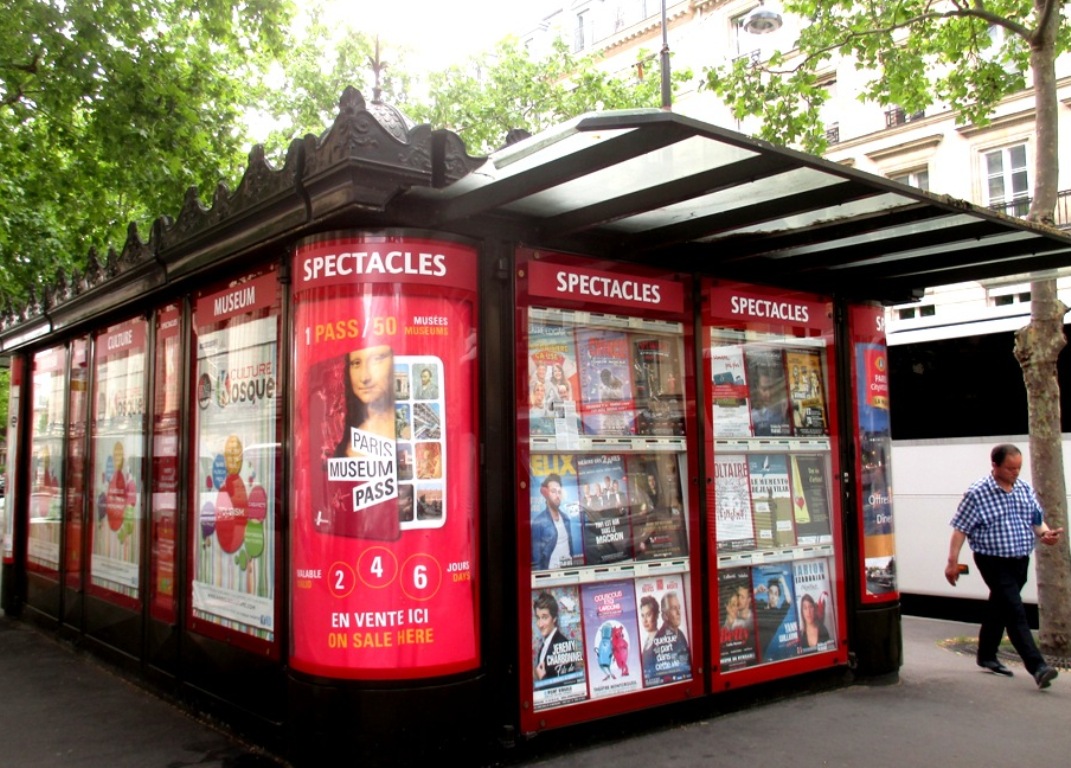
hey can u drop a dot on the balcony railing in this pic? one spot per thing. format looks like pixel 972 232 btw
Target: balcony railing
pixel 897 116
pixel 751 58
pixel 1020 206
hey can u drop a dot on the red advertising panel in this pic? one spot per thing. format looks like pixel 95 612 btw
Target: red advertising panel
pixel 237 410
pixel 47 430
pixel 384 524
pixel 78 407
pixel 873 453
pixel 165 436
pixel 607 564
pixel 777 590
pixel 7 515
pixel 118 437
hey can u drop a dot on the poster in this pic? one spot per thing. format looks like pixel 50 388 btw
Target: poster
pixel 237 414
pixel 47 430
pixel 553 381
pixel 736 619
pixel 605 507
pixel 607 398
pixel 771 500
pixel 729 394
pixel 659 529
pixel 734 525
pixel 810 499
pixel 556 508
pixel 659 385
pixel 383 513
pixel 815 606
pixel 610 633
pixel 666 656
pixel 775 609
pixel 875 451
pixel 806 388
pixel 165 467
pixel 557 648
pixel 117 482
pixel 768 392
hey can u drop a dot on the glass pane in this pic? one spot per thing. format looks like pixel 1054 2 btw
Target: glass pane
pixel 1017 156
pixel 994 163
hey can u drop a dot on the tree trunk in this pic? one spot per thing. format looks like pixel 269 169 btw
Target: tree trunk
pixel 1037 348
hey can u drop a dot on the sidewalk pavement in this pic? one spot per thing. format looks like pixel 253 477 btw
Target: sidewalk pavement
pixel 59 707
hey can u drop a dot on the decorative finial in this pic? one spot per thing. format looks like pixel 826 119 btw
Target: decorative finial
pixel 378 67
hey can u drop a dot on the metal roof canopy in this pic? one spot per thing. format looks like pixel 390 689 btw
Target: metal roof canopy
pixel 656 187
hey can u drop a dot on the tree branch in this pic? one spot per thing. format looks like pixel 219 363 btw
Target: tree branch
pixel 978 11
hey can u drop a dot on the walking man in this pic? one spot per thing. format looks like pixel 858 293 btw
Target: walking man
pixel 1000 516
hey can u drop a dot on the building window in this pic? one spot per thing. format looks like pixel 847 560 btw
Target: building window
pixel 582 33
pixel 925 310
pixel 1007 186
pixel 833 133
pixel 919 179
pixel 1007 298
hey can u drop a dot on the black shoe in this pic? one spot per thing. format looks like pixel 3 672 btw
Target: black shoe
pixel 996 667
pixel 1044 675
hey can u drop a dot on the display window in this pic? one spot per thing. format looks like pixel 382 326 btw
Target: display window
pixel 165 479
pixel 770 411
pixel 14 420
pixel 384 524
pixel 118 461
pixel 48 428
pixel 870 374
pixel 605 508
pixel 237 411
pixel 74 512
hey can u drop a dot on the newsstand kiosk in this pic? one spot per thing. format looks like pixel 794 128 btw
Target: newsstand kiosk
pixel 396 450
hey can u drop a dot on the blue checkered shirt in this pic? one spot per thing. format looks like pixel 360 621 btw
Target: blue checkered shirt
pixel 999 522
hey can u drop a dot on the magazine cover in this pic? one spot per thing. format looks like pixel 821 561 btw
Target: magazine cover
pixel 666 654
pixel 806 392
pixel 729 403
pixel 553 383
pixel 557 648
pixel 658 520
pixel 554 498
pixel 814 605
pixel 734 526
pixel 768 392
pixel 658 379
pixel 775 611
pixel 771 500
pixel 607 406
pixel 612 639
pixel 810 500
pixel 736 619
pixel 604 504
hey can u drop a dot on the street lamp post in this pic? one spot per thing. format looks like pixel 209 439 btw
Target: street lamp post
pixel 760 21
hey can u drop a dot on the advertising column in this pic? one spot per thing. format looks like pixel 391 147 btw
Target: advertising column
pixel 384 517
pixel 877 620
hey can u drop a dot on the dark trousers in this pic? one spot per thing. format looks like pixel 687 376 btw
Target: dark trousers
pixel 1005 577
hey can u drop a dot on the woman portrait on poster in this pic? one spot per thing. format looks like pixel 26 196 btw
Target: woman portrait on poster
pixel 812 630
pixel 559 383
pixel 368 379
